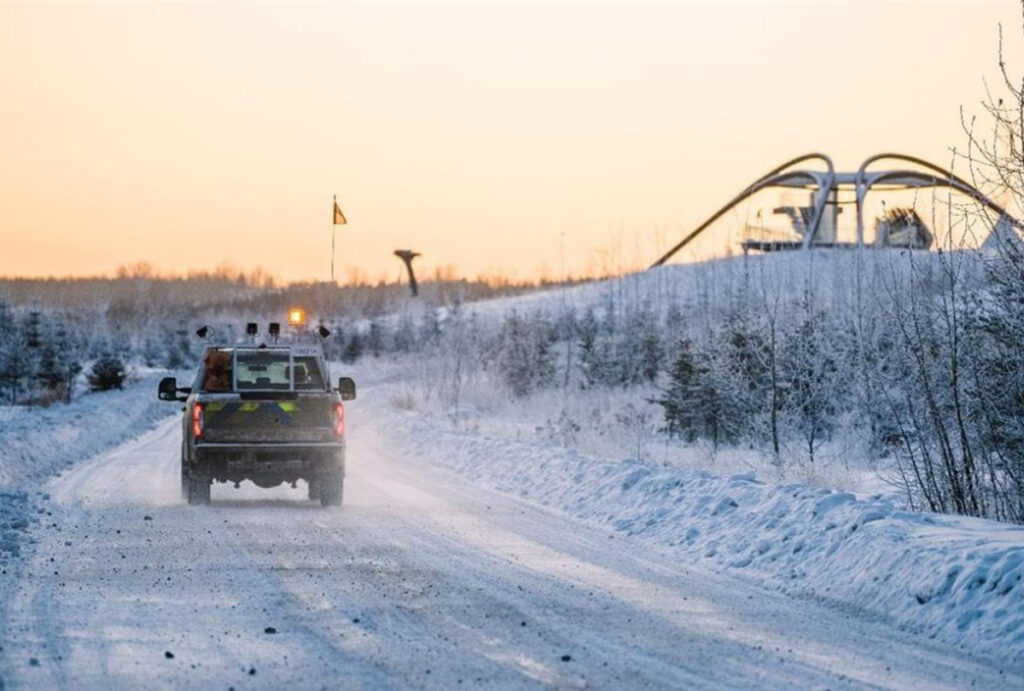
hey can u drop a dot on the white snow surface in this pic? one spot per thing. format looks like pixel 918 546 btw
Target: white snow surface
pixel 715 283
pixel 38 442
pixel 953 578
pixel 425 578
pixel 483 559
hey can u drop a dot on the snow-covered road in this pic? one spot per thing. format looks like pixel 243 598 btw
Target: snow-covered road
pixel 422 579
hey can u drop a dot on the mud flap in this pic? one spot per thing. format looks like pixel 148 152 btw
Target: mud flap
pixel 199 486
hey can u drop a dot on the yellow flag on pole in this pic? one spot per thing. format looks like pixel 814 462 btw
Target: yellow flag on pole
pixel 339 218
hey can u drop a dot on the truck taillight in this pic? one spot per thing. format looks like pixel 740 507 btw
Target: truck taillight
pixel 197 420
pixel 339 420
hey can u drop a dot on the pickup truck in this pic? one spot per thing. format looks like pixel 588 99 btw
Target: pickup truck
pixel 263 413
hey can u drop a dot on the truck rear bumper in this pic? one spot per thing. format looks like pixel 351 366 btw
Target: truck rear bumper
pixel 268 464
pixel 275 447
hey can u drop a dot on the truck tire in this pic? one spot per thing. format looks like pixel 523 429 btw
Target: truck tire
pixel 198 487
pixel 184 473
pixel 313 485
pixel 332 488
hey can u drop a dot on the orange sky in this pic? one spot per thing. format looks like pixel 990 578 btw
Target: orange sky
pixel 485 135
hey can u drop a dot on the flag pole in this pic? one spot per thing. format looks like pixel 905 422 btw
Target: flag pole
pixel 335 206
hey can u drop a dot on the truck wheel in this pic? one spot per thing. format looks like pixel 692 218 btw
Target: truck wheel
pixel 184 473
pixel 198 487
pixel 313 485
pixel 331 489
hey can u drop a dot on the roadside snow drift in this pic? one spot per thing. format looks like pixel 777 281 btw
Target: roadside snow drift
pixel 954 578
pixel 38 442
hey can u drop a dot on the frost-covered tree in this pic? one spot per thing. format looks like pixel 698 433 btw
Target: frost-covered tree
pixel 591 363
pixel 153 348
pixel 430 326
pixel 353 349
pixel 375 338
pixel 459 353
pixel 336 342
pixel 16 364
pixel 651 350
pixel 59 363
pixel 680 400
pixel 810 372
pixel 524 354
pixel 638 350
pixel 404 338
pixel 996 385
pixel 179 349
pixel 746 383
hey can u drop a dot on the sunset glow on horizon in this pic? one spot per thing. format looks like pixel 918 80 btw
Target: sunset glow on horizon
pixel 526 140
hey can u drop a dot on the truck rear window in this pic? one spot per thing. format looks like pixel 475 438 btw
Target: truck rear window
pixel 262 370
pixel 307 374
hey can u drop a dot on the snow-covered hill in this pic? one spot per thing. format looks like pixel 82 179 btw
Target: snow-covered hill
pixel 834 278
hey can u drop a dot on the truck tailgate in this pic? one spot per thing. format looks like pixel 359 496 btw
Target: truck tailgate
pixel 306 418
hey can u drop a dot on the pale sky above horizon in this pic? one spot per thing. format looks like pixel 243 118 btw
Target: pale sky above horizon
pixel 515 138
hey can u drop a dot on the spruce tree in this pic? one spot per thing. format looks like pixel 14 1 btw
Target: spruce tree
pixel 591 365
pixel 16 364
pixel 516 355
pixel 677 400
pixel 375 339
pixel 651 350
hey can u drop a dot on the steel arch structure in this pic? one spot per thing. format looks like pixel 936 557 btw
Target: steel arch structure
pixel 827 183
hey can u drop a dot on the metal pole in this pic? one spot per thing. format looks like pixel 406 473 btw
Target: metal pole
pixel 335 206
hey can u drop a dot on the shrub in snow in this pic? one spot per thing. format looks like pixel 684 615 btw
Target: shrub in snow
pixel 107 373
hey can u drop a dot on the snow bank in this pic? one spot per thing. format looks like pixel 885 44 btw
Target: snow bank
pixel 38 442
pixel 949 577
pixel 16 515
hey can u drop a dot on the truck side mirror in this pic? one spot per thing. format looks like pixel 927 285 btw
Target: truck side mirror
pixel 347 388
pixel 168 389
